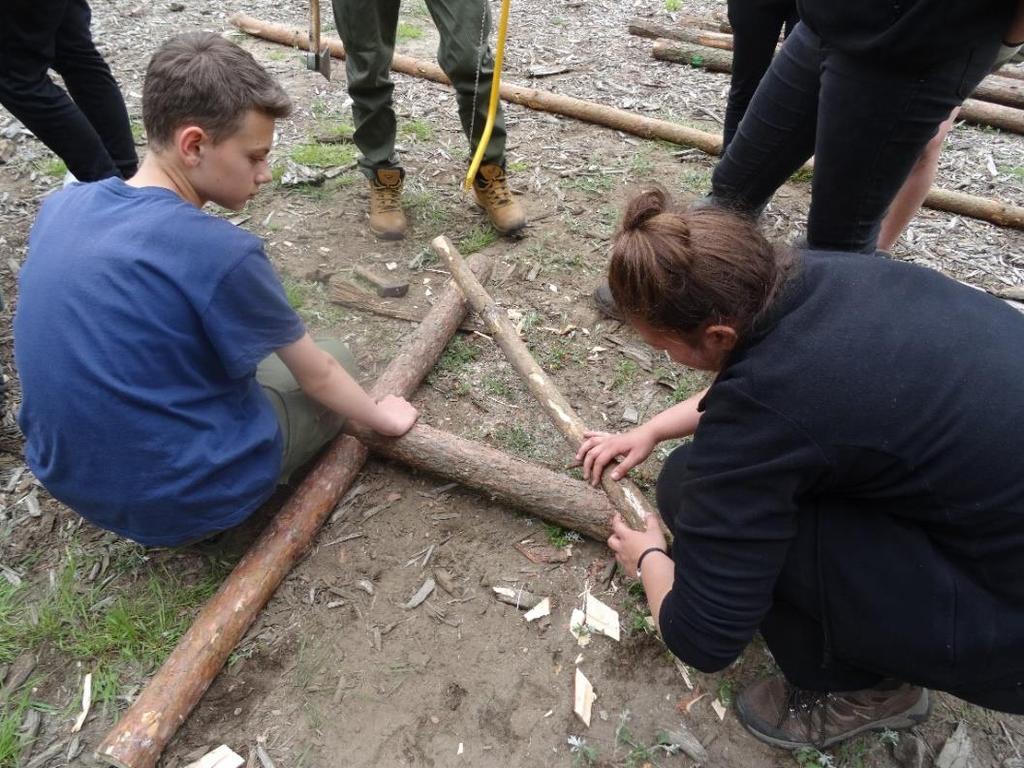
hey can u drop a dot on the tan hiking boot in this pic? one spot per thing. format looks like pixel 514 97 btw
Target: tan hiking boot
pixel 387 220
pixel 494 196
pixel 786 716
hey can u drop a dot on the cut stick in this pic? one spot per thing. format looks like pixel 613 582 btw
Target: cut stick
pixel 982 208
pixel 714 60
pixel 626 497
pixel 549 495
pixel 347 295
pixel 143 732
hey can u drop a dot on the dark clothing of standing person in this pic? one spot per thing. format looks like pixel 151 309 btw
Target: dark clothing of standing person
pixel 756 25
pixel 862 87
pixel 854 491
pixel 87 126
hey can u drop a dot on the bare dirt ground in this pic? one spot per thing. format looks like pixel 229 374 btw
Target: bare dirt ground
pixel 332 674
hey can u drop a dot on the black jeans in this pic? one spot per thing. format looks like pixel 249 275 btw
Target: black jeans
pixel 821 558
pixel 88 130
pixel 865 123
pixel 755 25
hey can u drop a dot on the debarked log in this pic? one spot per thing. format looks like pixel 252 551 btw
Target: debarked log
pixel 541 492
pixel 143 732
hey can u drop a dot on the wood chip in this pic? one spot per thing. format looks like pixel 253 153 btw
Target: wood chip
pixel 422 594
pixel 719 708
pixel 86 703
pixel 601 618
pixel 543 553
pixel 584 698
pixel 957 752
pixel 680 736
pixel 543 608
pixel 520 598
pixel 222 757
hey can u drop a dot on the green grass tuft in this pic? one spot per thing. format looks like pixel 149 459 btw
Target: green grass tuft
pixel 324 155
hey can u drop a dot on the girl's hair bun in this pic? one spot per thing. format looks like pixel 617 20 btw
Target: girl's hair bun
pixel 643 207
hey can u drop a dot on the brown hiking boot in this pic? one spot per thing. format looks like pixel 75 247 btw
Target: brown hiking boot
pixel 786 716
pixel 494 196
pixel 387 220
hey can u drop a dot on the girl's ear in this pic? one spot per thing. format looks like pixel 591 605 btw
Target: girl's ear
pixel 720 338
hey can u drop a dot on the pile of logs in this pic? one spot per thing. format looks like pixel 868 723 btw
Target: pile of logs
pixel 998 101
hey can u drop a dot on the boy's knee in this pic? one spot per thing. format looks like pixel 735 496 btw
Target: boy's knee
pixel 339 351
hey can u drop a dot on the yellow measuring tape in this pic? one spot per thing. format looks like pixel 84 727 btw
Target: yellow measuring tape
pixel 492 106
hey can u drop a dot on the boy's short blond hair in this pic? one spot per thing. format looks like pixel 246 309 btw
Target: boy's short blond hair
pixel 201 78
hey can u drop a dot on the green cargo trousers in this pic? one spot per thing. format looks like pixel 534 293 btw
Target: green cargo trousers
pixel 306 425
pixel 368 28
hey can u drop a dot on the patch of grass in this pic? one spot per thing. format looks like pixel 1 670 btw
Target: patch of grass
pixel 428 209
pixel 641 164
pixel 419 130
pixel 593 184
pixel 138 131
pixel 696 180
pixel 559 537
pixel 1017 171
pixel 276 55
pixel 334 131
pixel 496 387
pixel 295 291
pixel 673 5
pixel 559 354
pixel 457 355
pixel 477 239
pixel 809 757
pixel 515 440
pixel 12 714
pixel 851 753
pixel 726 691
pixel 625 373
pixel 517 166
pixel 324 155
pixel 408 32
pixel 801 175
pixel 53 167
pixel 583 754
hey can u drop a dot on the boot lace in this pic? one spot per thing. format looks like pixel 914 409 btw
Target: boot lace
pixel 386 198
pixel 496 191
pixel 811 708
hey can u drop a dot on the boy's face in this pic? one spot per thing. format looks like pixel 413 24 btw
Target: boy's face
pixel 231 171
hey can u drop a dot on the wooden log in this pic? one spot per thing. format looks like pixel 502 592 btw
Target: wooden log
pixel 625 496
pixel 530 487
pixel 993 115
pixel 972 111
pixel 681 52
pixel 599 114
pixel 1001 88
pixel 143 732
pixel 1010 71
pixel 1003 214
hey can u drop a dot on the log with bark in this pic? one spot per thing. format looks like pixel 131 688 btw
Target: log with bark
pixel 140 736
pixel 617 119
pixel 972 111
pixel 627 498
pixel 546 494
pixel 999 88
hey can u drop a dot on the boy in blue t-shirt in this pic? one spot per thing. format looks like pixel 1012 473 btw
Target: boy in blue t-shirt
pixel 144 325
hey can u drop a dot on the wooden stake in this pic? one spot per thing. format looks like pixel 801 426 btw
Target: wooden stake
pixel 626 497
pixel 143 732
pixel 549 495
pixel 610 117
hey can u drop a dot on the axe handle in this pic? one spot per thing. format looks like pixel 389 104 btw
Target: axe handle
pixel 314 25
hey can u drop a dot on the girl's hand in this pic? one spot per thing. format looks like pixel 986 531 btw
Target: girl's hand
pixel 393 416
pixel 600 448
pixel 628 544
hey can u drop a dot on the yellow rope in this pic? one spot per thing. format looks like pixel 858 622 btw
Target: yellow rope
pixel 492 106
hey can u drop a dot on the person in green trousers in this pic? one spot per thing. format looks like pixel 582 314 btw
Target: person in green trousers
pixel 368 29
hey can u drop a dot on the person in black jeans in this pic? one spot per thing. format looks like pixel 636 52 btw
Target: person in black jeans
pixel 755 27
pixel 862 87
pixel 89 130
pixel 852 490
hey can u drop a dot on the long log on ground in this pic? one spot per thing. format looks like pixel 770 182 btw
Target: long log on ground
pixel 543 493
pixel 713 60
pixel 1010 71
pixel 1000 88
pixel 627 498
pixel 610 117
pixel 141 735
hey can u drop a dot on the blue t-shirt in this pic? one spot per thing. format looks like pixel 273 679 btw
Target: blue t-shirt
pixel 140 324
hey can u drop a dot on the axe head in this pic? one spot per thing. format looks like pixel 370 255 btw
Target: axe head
pixel 320 62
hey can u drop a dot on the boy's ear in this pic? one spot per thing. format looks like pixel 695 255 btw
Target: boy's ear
pixel 190 142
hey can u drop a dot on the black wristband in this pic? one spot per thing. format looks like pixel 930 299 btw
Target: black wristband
pixel 645 553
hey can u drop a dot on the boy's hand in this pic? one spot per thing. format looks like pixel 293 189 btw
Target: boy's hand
pixel 393 416
pixel 600 448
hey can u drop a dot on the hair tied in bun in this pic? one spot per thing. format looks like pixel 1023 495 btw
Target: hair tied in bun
pixel 643 207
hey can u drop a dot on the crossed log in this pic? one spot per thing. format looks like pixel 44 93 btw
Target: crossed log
pixel 140 737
